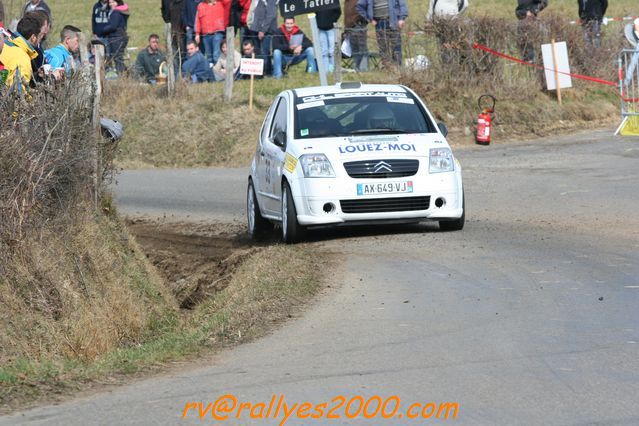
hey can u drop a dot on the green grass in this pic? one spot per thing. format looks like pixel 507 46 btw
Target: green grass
pixel 146 16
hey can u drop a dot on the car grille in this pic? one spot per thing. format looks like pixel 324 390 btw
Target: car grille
pixel 379 168
pixel 381 205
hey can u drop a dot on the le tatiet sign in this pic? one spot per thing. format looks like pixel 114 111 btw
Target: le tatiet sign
pixel 290 8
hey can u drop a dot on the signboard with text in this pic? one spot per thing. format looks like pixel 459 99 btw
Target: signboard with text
pixel 251 66
pixel 290 8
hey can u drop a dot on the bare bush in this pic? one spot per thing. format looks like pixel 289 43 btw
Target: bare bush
pixel 47 157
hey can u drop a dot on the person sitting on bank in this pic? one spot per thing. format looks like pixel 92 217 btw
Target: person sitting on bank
pixel 220 66
pixel 147 64
pixel 196 68
pixel 290 47
pixel 61 56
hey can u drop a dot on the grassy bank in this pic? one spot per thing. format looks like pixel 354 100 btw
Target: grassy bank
pixel 131 324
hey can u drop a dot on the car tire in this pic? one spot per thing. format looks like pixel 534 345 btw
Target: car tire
pixel 292 231
pixel 457 224
pixel 257 225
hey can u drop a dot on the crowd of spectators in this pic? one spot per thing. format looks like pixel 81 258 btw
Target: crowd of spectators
pixel 199 30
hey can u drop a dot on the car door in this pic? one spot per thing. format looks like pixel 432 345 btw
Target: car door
pixel 273 150
pixel 263 182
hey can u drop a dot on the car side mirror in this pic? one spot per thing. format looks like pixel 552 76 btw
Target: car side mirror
pixel 442 128
pixel 279 138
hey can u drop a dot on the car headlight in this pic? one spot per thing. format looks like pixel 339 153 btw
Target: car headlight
pixel 441 160
pixel 316 165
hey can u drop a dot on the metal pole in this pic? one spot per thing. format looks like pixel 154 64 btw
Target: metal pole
pixel 318 50
pixel 99 55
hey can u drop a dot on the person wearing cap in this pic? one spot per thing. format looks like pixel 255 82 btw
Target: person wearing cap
pixel 591 13
pixel 61 56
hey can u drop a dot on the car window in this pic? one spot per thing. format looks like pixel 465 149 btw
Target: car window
pixel 279 121
pixel 267 121
pixel 346 114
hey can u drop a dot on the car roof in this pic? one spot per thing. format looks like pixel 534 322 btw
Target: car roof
pixel 349 87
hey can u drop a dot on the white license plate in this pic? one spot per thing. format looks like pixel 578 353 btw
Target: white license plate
pixel 384 188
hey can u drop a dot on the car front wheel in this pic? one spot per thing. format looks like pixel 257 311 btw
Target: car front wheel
pixel 292 231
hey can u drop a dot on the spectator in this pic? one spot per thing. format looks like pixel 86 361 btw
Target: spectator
pixel 248 51
pixel 116 35
pixel 147 64
pixel 238 12
pixel 188 18
pixel 33 5
pixel 100 19
pixel 61 56
pixel 591 13
pixel 172 13
pixel 196 68
pixel 262 24
pixel 445 9
pixel 3 72
pixel 210 24
pixel 356 32
pixel 219 70
pixel 325 21
pixel 631 32
pixel 290 47
pixel 18 52
pixel 37 63
pixel 388 17
pixel 526 12
pixel 1 14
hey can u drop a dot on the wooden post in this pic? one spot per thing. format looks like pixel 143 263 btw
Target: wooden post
pixel 556 68
pixel 84 53
pixel 230 63
pixel 99 69
pixel 170 80
pixel 337 72
pixel 251 87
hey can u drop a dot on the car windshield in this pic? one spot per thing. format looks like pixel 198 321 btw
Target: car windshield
pixel 356 113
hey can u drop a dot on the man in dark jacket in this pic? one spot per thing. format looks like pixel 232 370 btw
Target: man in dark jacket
pixel 325 23
pixel 188 18
pixel 147 64
pixel 290 47
pixel 261 22
pixel 196 68
pixel 100 19
pixel 526 12
pixel 172 12
pixel 591 14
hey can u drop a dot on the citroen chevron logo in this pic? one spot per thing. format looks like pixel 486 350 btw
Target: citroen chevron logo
pixel 382 165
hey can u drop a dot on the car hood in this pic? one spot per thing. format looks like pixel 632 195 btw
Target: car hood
pixel 370 146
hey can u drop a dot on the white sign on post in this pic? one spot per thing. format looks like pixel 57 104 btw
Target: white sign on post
pixel 563 65
pixel 251 66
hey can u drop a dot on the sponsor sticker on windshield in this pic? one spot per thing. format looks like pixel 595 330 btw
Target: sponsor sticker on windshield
pixel 312 104
pixel 401 100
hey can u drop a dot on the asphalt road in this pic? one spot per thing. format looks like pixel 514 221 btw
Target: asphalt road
pixel 530 315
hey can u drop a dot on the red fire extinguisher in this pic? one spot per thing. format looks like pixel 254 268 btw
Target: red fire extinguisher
pixel 484 119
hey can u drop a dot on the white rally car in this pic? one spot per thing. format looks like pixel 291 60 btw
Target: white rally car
pixel 352 154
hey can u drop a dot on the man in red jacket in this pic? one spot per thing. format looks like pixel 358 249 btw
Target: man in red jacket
pixel 211 20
